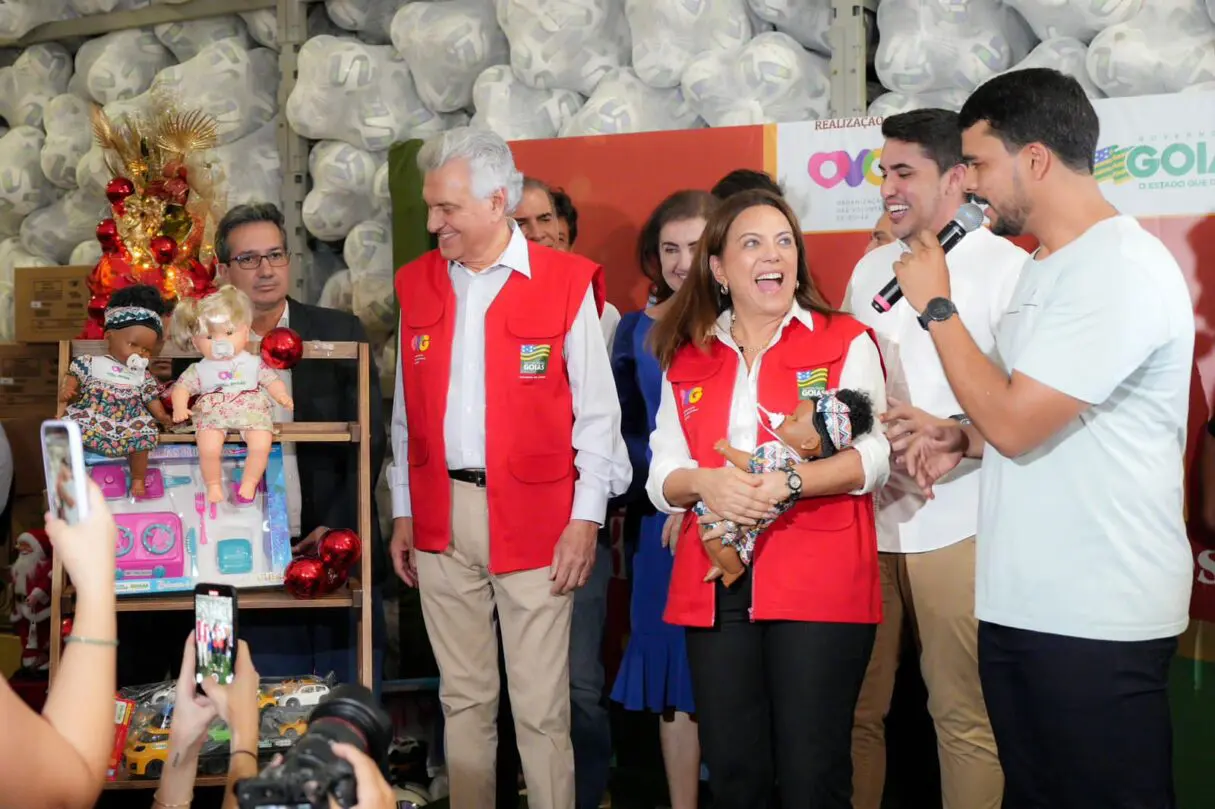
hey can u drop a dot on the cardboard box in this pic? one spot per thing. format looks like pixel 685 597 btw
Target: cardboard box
pixel 25 440
pixel 29 380
pixel 51 303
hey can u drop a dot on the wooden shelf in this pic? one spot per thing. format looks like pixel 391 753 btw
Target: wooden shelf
pixel 313 350
pixel 293 432
pixel 268 599
pixel 123 782
pixel 352 597
pixel 411 685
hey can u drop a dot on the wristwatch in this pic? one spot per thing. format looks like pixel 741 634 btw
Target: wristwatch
pixel 939 310
pixel 795 483
pixel 960 418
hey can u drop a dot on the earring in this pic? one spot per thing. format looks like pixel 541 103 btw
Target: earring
pixel 725 290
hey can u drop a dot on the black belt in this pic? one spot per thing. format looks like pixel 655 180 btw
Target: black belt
pixel 474 476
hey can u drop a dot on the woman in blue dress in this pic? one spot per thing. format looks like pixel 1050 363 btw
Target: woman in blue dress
pixel 654 673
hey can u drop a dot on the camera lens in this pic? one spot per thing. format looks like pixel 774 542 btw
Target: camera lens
pixel 350 715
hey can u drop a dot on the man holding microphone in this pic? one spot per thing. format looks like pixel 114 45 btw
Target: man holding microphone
pixel 1084 569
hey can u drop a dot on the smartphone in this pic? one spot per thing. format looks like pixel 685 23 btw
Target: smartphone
pixel 67 491
pixel 214 633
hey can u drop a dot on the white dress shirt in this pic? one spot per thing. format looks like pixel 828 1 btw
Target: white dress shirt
pixel 291 469
pixel 983 271
pixel 608 322
pixel 862 371
pixel 600 455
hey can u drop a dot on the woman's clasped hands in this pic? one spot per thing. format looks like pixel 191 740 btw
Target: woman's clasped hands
pixel 742 498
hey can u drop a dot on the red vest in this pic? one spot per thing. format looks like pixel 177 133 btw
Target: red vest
pixel 818 561
pixel 529 412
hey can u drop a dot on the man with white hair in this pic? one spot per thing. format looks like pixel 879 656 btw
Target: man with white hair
pixel 507 447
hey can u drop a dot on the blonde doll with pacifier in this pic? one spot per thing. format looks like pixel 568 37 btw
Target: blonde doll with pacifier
pixel 234 388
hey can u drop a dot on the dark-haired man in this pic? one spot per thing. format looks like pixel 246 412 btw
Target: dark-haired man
pixel 1084 569
pixel 927 547
pixel 321 479
pixel 590 722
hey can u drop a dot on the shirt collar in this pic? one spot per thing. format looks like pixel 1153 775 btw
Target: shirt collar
pixel 284 320
pixel 514 257
pixel 797 311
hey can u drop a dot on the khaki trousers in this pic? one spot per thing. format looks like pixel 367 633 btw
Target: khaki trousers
pixel 459 595
pixel 933 594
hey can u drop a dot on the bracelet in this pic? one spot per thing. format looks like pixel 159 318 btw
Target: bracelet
pixel 91 641
pixel 156 801
pixel 246 752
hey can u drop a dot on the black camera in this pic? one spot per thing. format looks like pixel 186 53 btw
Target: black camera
pixel 311 773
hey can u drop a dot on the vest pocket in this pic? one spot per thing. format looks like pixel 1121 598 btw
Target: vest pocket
pixel 548 467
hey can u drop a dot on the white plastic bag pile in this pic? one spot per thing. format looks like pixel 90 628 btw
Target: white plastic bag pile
pixel 52 176
pixel 935 52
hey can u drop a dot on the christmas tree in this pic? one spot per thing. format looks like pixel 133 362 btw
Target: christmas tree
pixel 164 203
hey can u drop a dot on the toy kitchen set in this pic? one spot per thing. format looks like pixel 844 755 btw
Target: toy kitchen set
pixel 171 538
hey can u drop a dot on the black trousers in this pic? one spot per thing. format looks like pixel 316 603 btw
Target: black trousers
pixel 774 701
pixel 1080 724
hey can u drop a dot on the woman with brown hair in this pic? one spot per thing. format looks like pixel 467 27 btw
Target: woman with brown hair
pixel 654 674
pixel 777 659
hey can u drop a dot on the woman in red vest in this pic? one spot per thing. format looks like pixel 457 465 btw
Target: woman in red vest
pixel 777 659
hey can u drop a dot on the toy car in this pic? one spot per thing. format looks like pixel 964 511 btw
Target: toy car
pixel 304 695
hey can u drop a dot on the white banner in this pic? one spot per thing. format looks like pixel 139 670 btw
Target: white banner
pixel 1155 157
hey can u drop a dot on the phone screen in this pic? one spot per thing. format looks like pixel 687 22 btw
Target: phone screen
pixel 214 633
pixel 63 491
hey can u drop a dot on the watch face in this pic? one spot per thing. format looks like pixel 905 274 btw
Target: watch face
pixel 795 481
pixel 940 309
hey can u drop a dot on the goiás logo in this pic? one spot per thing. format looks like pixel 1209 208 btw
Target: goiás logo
pixel 829 169
pixel 419 344
pixel 690 397
pixel 811 384
pixel 533 359
pixel 1169 164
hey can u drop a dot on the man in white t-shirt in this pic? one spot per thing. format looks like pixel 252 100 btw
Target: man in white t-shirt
pixel 1084 570
pixel 927 547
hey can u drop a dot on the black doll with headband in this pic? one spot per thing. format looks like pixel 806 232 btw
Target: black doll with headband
pixel 112 396
pixel 819 427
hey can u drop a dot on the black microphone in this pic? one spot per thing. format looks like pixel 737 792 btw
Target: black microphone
pixel 969 217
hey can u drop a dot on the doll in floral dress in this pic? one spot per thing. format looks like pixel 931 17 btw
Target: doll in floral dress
pixel 112 396
pixel 235 390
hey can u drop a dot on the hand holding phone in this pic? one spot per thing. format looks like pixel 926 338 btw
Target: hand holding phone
pixel 215 638
pixel 63 465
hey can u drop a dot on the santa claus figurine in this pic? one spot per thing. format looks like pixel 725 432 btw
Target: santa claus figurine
pixel 32 598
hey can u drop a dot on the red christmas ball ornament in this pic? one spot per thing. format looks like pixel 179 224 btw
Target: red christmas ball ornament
pixel 334 580
pixel 118 189
pixel 282 348
pixel 107 235
pixel 305 578
pixel 65 627
pixel 163 248
pixel 340 549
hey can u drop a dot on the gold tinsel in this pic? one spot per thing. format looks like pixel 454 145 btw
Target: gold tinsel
pixel 139 147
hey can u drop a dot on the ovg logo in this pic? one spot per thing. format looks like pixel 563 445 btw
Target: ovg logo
pixel 419 344
pixel 829 169
pixel 533 359
pixel 689 398
pixel 1175 164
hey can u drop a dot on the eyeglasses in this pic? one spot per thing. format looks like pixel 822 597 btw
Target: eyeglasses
pixel 251 261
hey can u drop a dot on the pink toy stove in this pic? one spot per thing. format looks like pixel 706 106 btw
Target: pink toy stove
pixel 149 546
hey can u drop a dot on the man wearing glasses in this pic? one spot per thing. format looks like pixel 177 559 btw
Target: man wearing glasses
pixel 321 479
